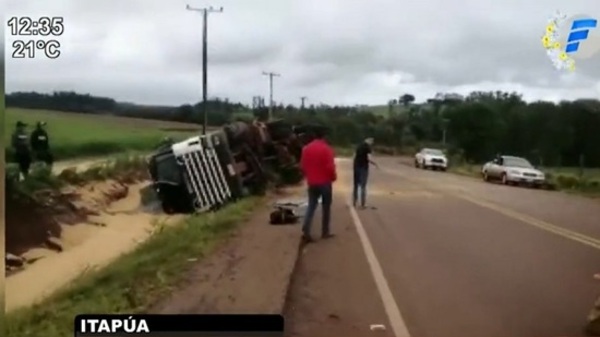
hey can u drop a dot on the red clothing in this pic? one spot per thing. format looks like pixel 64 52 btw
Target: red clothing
pixel 317 163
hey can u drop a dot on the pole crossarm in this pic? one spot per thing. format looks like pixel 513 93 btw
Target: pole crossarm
pixel 209 9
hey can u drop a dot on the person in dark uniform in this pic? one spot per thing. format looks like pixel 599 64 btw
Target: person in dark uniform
pixel 21 147
pixel 362 160
pixel 40 144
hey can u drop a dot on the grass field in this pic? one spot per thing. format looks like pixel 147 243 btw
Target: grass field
pixel 384 110
pixel 136 280
pixel 76 135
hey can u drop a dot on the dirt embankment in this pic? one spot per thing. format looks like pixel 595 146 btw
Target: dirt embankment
pixel 53 237
pixel 40 220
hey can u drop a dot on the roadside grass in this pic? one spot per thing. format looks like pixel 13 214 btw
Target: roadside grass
pixel 569 179
pixel 135 281
pixel 343 152
pixel 378 150
pixel 76 135
pixel 41 177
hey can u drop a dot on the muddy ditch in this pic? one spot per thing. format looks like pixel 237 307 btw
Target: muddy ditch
pixel 40 220
pixel 53 236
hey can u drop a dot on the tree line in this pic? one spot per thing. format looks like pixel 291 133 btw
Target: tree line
pixel 474 127
pixel 220 111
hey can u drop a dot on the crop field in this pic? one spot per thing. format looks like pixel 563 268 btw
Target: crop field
pixel 78 135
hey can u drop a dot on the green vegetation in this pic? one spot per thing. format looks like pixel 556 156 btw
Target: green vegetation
pixel 41 177
pixel 569 179
pixel 471 128
pixel 76 135
pixel 136 280
pixel 219 111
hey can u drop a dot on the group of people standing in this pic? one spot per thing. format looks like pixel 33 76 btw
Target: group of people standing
pixel 318 166
pixel 29 148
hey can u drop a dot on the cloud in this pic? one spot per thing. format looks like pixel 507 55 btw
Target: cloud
pixel 335 51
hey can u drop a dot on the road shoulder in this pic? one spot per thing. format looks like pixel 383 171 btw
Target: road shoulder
pixel 333 292
pixel 250 273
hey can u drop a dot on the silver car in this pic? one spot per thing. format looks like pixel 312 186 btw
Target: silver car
pixel 513 171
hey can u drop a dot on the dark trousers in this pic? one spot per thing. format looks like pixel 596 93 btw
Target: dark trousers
pixel 24 161
pixel 361 176
pixel 316 192
pixel 44 156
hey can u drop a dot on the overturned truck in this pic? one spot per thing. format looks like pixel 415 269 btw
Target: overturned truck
pixel 203 173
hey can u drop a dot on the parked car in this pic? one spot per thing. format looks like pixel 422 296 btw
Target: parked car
pixel 431 158
pixel 513 171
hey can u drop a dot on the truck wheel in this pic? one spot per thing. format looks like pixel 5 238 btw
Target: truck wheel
pixel 505 179
pixel 486 178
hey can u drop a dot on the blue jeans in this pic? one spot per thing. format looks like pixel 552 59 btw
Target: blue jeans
pixel 316 192
pixel 361 175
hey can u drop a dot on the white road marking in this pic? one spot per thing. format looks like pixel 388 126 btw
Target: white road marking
pixel 391 308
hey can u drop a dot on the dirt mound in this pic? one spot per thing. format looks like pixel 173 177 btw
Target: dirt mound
pixel 34 220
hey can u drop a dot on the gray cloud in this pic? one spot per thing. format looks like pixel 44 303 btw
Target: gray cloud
pixel 334 51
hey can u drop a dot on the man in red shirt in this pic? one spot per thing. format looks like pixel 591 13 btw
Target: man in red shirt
pixel 318 165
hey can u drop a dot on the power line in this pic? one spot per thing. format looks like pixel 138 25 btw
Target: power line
pixel 271 75
pixel 205 11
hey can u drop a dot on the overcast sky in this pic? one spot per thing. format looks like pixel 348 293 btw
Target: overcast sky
pixel 333 51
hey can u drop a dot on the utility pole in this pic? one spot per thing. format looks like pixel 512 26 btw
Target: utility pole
pixel 302 99
pixel 444 131
pixel 271 75
pixel 205 11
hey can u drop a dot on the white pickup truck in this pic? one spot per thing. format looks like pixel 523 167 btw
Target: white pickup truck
pixel 431 159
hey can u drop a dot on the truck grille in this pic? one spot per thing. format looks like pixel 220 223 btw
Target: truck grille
pixel 437 160
pixel 533 175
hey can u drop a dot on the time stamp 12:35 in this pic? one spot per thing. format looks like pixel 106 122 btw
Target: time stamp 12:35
pixel 32 36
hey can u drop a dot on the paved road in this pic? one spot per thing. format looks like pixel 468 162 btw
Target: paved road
pixel 467 258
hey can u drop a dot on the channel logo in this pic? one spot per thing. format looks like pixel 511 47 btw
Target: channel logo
pixel 568 39
pixel 579 32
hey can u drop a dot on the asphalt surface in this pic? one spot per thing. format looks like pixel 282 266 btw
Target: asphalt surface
pixel 468 258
